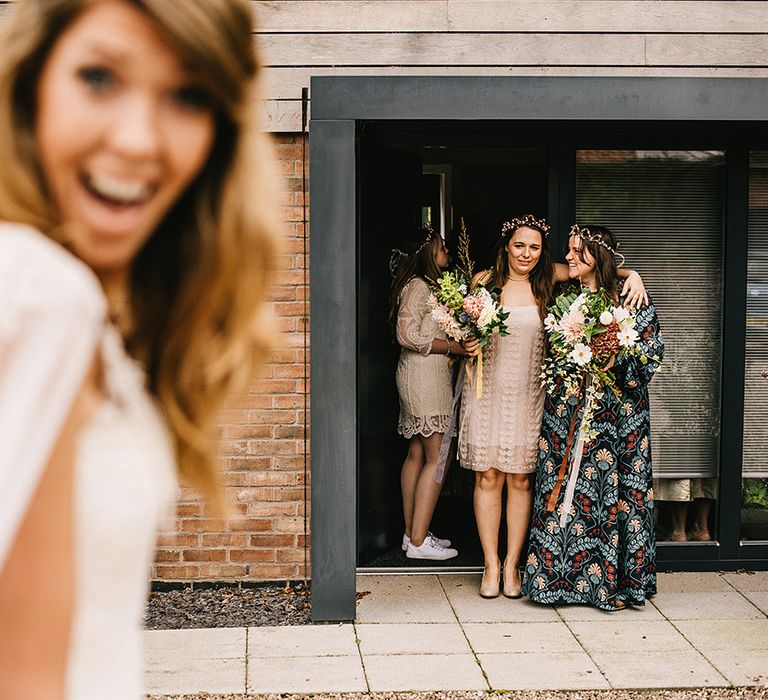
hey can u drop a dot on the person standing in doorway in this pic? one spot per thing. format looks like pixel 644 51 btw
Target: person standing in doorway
pixel 602 550
pixel 423 386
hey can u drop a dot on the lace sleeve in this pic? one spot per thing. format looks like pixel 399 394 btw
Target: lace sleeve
pixel 51 321
pixel 414 306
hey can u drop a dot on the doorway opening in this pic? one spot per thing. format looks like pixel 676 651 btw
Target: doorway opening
pixel 409 179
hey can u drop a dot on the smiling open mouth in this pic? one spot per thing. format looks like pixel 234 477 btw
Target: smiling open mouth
pixel 117 192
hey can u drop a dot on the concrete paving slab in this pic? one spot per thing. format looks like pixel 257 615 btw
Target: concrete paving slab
pixel 462 592
pixel 686 582
pixel 198 675
pixel 218 643
pixel 549 671
pixel 420 672
pixel 587 613
pixel 748 580
pixel 759 599
pixel 616 635
pixel 520 637
pixel 306 674
pixel 423 638
pixel 744 667
pixel 658 669
pixel 696 606
pixel 302 640
pixel 736 635
pixel 402 599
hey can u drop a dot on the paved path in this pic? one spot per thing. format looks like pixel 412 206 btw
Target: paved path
pixel 433 632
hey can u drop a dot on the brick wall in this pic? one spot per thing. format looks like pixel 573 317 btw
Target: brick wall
pixel 262 441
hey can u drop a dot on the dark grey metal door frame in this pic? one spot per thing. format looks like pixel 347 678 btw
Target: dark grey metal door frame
pixel 338 103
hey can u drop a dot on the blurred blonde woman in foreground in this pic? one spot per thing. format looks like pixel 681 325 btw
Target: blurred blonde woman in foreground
pixel 135 243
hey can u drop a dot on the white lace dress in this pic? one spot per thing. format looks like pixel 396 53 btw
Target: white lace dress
pixel 52 322
pixel 423 379
pixel 501 428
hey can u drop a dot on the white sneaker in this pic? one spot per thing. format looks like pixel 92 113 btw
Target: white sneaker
pixel 430 549
pixel 442 543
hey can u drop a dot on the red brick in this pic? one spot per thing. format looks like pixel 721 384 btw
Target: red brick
pixel 290 555
pixel 222 572
pixel 225 540
pixel 251 524
pixel 205 555
pixel 273 541
pixel 276 572
pixel 252 555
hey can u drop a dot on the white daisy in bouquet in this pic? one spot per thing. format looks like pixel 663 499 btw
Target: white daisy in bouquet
pixel 586 330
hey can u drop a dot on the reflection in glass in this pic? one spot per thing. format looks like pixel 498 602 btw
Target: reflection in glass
pixel 666 209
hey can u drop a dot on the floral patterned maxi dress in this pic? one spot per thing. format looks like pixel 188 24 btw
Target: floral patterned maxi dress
pixel 607 548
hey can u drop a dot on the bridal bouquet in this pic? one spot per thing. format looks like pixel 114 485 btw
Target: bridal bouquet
pixel 585 331
pixel 463 312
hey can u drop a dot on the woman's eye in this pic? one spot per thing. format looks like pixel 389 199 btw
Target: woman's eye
pixel 192 97
pixel 96 77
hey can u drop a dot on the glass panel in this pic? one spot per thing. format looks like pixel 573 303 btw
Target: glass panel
pixel 666 209
pixel 755 462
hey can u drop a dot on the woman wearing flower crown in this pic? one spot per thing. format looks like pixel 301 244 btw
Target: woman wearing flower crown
pixel 498 430
pixel 602 550
pixel 423 385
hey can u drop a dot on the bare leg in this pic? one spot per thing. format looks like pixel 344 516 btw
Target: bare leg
pixel 519 506
pixel 487 500
pixel 701 509
pixel 427 491
pixel 678 514
pixel 409 475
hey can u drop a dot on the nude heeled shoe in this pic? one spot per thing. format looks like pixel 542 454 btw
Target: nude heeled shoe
pixel 490 589
pixel 509 590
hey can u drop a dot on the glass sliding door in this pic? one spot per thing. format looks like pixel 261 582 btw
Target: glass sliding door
pixel 754 516
pixel 666 208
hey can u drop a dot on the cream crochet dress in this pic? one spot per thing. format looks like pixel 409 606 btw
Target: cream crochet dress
pixel 501 428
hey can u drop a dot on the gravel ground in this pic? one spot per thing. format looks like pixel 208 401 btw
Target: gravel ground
pixel 229 607
pixel 687 694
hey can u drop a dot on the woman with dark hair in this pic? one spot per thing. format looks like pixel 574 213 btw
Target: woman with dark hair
pixel 604 554
pixel 423 385
pixel 498 430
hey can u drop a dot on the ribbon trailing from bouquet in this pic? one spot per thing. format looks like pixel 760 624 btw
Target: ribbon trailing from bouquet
pixel 576 454
pixel 478 374
pixel 445 445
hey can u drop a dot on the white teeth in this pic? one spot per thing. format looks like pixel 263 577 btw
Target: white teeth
pixel 124 191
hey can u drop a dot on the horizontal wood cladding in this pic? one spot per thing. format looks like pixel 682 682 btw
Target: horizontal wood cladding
pixel 500 49
pixel 356 16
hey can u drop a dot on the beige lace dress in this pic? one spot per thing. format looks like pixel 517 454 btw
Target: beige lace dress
pixel 423 379
pixel 501 428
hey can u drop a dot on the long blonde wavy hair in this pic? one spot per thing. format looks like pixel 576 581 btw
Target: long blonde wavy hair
pixel 198 286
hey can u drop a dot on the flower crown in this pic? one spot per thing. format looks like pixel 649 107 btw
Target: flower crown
pixel 528 220
pixel 585 234
pixel 397 254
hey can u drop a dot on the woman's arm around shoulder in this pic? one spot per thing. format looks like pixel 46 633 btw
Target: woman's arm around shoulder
pixel 638 369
